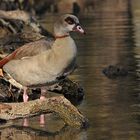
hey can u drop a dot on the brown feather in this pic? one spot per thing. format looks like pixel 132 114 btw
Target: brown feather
pixel 27 50
pixel 8 58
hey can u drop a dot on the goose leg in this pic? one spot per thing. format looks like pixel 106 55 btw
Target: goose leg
pixel 25 122
pixel 25 96
pixel 42 97
pixel 25 99
pixel 43 92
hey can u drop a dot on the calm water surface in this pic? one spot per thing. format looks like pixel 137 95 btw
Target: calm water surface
pixel 111 105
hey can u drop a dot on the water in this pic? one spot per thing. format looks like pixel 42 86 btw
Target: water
pixel 111 105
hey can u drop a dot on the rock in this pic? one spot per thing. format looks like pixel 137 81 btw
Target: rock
pixel 114 71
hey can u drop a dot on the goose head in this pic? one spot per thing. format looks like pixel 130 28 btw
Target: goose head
pixel 66 24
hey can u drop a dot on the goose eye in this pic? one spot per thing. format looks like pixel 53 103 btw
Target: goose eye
pixel 69 20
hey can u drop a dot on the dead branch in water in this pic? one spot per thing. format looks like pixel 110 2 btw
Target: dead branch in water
pixel 60 105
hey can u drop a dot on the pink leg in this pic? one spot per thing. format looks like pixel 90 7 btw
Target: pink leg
pixel 25 122
pixel 43 92
pixel 42 116
pixel 42 120
pixel 25 99
pixel 25 96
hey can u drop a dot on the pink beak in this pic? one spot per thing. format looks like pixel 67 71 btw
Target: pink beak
pixel 79 29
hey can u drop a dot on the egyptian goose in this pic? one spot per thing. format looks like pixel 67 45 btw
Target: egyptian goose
pixel 37 66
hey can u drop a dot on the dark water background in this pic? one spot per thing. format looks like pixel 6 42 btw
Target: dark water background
pixel 111 105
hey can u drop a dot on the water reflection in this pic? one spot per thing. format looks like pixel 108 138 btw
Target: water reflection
pixel 113 38
pixel 27 133
pixel 108 102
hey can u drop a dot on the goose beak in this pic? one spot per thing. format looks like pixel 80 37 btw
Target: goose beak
pixel 79 29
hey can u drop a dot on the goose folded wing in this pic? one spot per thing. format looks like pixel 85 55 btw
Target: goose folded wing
pixel 28 50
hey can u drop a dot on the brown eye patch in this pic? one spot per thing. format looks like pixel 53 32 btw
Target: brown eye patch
pixel 70 20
